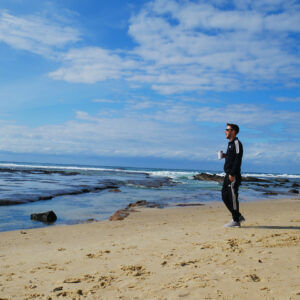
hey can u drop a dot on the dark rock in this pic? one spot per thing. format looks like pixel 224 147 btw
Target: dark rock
pixel 208 177
pixel 111 184
pixel 47 217
pixel 69 173
pixel 137 203
pixel 115 190
pixel 263 185
pixel 4 202
pixel 22 199
pixel 189 204
pixel 253 179
pixel 144 203
pixel 295 185
pixel 218 178
pixel 294 191
pixel 38 171
pixel 154 205
pixel 120 214
pixel 45 197
pixel 283 180
pixel 270 193
pixel 152 182
pixel 123 213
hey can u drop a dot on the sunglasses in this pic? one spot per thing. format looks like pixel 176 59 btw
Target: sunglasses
pixel 228 129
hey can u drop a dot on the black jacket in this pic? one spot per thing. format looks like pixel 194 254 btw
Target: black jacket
pixel 233 159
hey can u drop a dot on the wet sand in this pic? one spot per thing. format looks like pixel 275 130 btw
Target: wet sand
pixel 172 253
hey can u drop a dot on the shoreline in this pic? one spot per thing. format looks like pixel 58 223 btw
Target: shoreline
pixel 122 213
pixel 132 206
pixel 93 198
pixel 176 252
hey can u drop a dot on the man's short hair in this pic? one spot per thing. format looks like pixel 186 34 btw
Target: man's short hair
pixel 234 127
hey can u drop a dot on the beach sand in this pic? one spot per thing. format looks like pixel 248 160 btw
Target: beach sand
pixel 172 253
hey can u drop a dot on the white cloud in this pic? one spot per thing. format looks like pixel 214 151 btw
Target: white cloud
pixel 261 153
pixel 249 115
pixel 35 34
pixel 195 46
pixel 92 64
pixel 104 101
pixel 209 48
pixel 139 104
pixel 181 46
pixel 288 99
pixel 171 131
pixel 118 136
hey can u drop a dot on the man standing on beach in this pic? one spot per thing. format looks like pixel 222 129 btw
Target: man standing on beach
pixel 232 180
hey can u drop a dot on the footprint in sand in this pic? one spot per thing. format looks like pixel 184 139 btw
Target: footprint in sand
pixel 30 287
pixel 186 263
pixel 33 296
pixel 98 254
pixel 252 277
pixel 71 294
pixel 72 280
pixel 196 280
pixel 102 280
pixel 135 270
pixel 52 267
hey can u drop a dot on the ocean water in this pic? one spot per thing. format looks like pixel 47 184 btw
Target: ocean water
pixel 80 193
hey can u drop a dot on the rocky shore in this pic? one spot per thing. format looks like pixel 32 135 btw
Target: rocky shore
pixel 107 184
pixel 272 186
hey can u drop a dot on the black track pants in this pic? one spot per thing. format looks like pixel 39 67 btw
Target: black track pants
pixel 230 196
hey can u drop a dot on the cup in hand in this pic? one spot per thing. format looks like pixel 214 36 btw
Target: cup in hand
pixel 220 154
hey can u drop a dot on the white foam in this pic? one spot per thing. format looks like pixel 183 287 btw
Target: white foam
pixel 174 174
pixel 162 173
pixel 269 175
pixel 49 167
pixel 189 175
pixel 272 175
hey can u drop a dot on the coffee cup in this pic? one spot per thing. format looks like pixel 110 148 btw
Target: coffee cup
pixel 220 154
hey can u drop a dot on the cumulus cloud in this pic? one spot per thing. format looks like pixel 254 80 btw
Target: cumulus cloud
pixel 35 34
pixel 180 46
pixel 195 46
pixel 104 101
pixel 101 136
pixel 168 132
pixel 247 114
pixel 288 99
pixel 198 46
pixel 92 64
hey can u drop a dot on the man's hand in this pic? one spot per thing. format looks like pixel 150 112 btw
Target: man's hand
pixel 231 178
pixel 223 155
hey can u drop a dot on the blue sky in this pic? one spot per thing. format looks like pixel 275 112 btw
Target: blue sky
pixel 150 83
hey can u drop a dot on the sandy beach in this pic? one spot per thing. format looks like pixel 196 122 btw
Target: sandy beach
pixel 171 253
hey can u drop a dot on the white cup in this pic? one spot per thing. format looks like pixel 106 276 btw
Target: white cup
pixel 220 154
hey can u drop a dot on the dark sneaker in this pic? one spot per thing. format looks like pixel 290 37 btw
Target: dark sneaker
pixel 242 219
pixel 233 224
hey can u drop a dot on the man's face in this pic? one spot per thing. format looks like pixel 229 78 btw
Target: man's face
pixel 229 133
